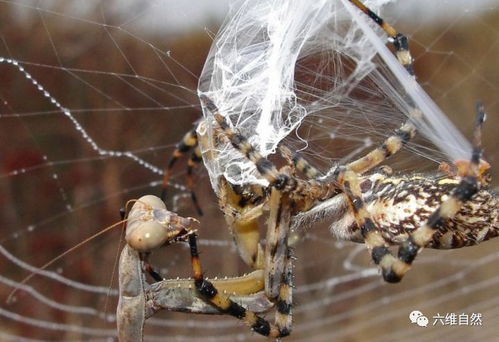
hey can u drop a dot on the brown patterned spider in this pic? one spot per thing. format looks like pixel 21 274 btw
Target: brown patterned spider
pixel 379 209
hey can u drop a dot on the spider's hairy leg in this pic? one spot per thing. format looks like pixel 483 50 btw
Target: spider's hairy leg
pixel 244 227
pixel 188 142
pixel 276 247
pixel 402 135
pixel 395 268
pixel 258 324
pixel 299 163
pixel 373 239
pixel 389 147
pixel 281 179
pixel 284 305
pixel 407 131
pixel 399 40
pixel 193 161
pixel 241 144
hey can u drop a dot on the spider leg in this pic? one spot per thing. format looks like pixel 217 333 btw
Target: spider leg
pixel 244 228
pixel 287 194
pixel 389 147
pixel 394 268
pixel 470 183
pixel 373 239
pixel 227 305
pixel 241 144
pixel 407 131
pixel 276 247
pixel 278 179
pixel 194 160
pixel 264 166
pixel 399 40
pixel 189 141
pixel 299 163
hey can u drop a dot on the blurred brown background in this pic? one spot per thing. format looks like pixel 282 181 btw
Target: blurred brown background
pixel 134 89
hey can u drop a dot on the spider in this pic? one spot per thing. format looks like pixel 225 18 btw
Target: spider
pixel 379 209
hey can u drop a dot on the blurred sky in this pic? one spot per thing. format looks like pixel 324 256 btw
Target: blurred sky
pixel 186 15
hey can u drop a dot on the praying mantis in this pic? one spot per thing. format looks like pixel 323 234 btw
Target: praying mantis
pixel 149 226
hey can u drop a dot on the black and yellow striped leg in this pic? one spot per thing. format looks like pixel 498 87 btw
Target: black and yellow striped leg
pixel 194 160
pixel 389 147
pixel 394 268
pixel 407 131
pixel 281 184
pixel 284 305
pixel 209 292
pixel 189 141
pixel 373 239
pixel 241 144
pixel 399 41
pixel 299 163
pixel 276 249
pixel 279 217
pixel 420 237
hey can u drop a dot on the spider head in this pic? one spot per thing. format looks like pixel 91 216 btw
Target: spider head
pixel 463 168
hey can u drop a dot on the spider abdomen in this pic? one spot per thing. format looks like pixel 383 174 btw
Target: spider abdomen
pixel 399 205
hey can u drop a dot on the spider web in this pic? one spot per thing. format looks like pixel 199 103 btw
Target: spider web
pixel 94 98
pixel 280 66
